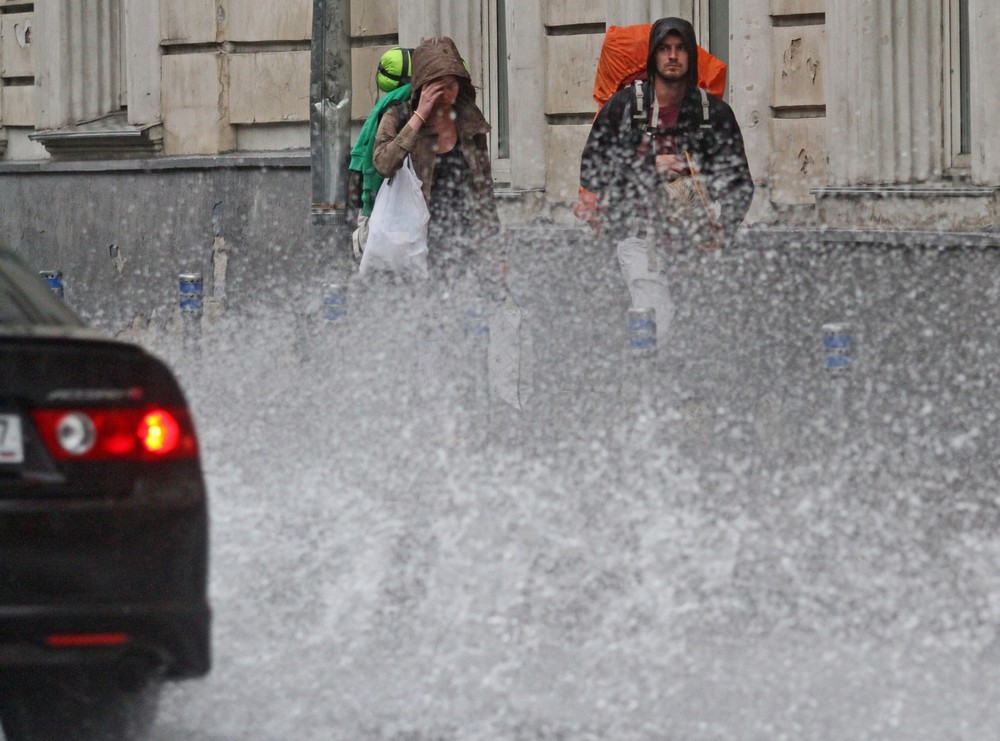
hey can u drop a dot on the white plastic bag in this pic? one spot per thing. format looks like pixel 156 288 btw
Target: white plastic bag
pixel 397 228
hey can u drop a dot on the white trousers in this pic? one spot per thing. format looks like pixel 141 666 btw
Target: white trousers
pixel 646 278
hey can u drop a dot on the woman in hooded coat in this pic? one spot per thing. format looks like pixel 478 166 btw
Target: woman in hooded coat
pixel 444 132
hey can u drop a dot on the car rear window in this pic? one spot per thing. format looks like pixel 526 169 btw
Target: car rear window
pixel 25 300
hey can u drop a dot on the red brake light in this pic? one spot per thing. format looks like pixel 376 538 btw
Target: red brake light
pixel 117 434
pixel 159 432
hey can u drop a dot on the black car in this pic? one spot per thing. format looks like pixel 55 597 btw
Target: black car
pixel 103 524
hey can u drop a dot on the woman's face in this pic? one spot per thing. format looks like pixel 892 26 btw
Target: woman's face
pixel 450 84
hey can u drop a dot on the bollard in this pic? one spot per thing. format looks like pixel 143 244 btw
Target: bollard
pixel 54 280
pixel 334 302
pixel 191 304
pixel 641 386
pixel 191 293
pixel 642 332
pixel 475 323
pixel 837 346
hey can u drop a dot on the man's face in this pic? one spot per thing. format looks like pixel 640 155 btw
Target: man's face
pixel 672 58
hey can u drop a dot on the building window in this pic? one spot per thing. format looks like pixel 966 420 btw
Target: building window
pixel 118 19
pixel 718 33
pixel 496 86
pixel 960 120
pixel 503 110
pixel 711 25
pixel 964 86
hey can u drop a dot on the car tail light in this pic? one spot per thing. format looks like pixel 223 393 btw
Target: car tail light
pixel 117 434
pixel 159 432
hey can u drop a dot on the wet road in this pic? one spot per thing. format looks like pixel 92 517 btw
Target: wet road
pixel 726 543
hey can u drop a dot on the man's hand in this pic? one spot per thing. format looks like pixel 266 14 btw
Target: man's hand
pixel 671 165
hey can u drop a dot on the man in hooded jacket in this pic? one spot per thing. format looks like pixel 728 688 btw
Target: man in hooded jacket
pixel 645 142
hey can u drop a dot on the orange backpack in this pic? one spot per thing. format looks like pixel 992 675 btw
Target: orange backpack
pixel 623 61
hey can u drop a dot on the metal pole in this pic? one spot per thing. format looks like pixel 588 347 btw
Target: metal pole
pixel 330 109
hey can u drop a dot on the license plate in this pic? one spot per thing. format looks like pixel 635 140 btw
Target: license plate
pixel 11 442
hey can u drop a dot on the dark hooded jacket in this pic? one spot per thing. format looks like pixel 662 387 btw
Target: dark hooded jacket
pixel 433 59
pixel 627 185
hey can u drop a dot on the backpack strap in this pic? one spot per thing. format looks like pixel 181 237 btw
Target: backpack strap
pixel 639 114
pixel 704 109
pixel 391 75
pixel 402 114
pixel 404 74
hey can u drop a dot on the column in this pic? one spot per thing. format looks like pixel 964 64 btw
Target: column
pixel 78 63
pixel 630 12
pixel 885 91
pixel 749 80
pixel 142 60
pixel 984 17
pixel 526 49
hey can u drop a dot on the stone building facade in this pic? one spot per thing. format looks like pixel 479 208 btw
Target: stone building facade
pixel 856 113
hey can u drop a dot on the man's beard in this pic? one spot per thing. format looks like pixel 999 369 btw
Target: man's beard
pixel 672 76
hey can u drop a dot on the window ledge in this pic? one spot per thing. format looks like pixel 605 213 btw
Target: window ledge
pixel 290 159
pixel 507 193
pixel 767 237
pixel 108 137
pixel 907 191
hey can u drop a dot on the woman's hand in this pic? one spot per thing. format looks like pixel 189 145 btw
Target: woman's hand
pixel 430 99
pixel 437 96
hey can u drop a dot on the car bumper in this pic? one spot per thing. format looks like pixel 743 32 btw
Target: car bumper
pixel 174 637
pixel 131 578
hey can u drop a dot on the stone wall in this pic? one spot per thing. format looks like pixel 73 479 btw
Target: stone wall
pixel 121 238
